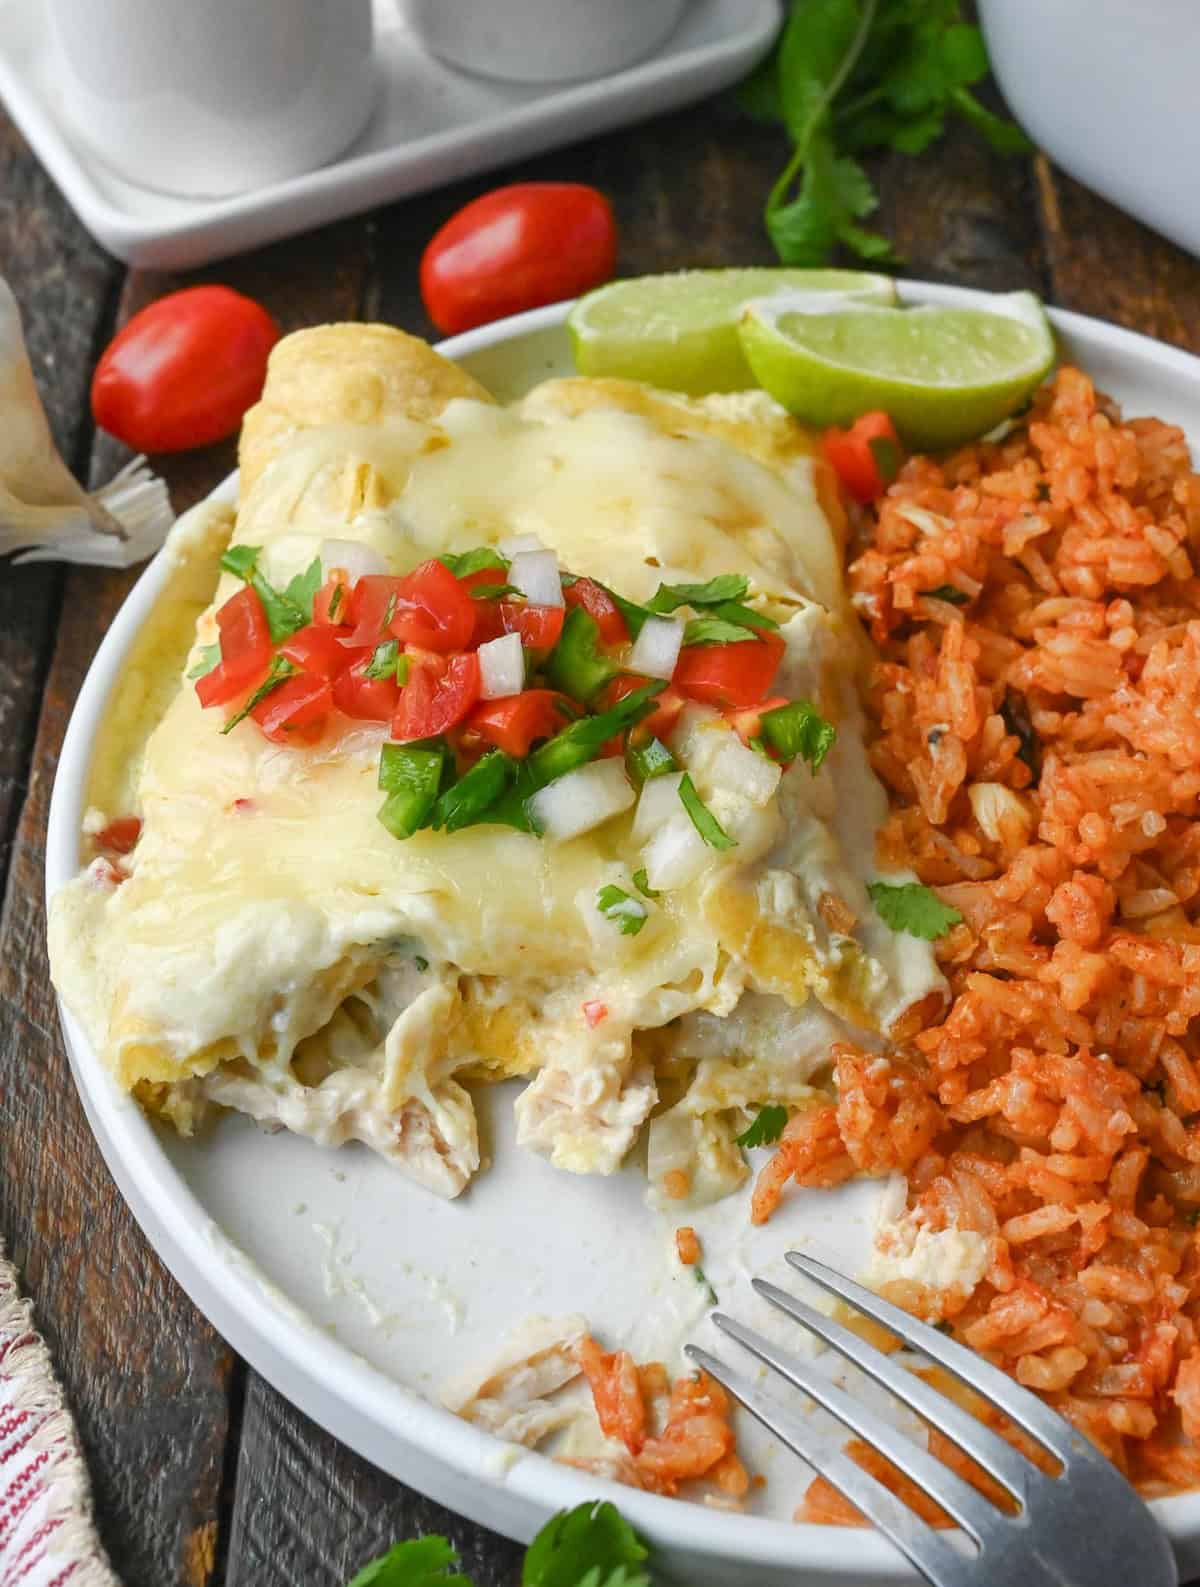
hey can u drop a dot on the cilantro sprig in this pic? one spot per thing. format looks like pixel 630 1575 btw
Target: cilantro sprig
pixel 913 908
pixel 766 1126
pixel 589 1546
pixel 288 609
pixel 850 76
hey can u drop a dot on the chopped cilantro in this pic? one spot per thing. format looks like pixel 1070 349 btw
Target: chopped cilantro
pixel 643 886
pixel 744 616
pixel 421 962
pixel 388 661
pixel 948 592
pixel 335 601
pixel 589 1546
pixel 710 1294
pixel 799 729
pixel 285 612
pixel 887 457
pixel 209 656
pixel 421 1562
pixel 716 631
pixel 463 563
pixel 725 587
pixel 626 913
pixel 497 592
pixel 913 908
pixel 280 669
pixel 705 823
pixel 766 1127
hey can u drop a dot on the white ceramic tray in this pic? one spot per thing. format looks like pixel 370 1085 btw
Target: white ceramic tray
pixel 356 1293
pixel 432 124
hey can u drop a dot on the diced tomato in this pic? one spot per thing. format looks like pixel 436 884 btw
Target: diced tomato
pixel 370 599
pixel 866 458
pixel 595 1012
pixel 588 594
pixel 296 705
pixel 317 649
pixel 513 724
pixel 729 676
pixel 667 705
pixel 331 603
pixel 245 650
pixel 538 626
pixel 430 704
pixel 747 724
pixel 488 621
pixel 119 836
pixel 433 609
pixel 365 699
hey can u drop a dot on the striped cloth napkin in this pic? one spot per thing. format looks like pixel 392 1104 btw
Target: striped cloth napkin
pixel 47 1538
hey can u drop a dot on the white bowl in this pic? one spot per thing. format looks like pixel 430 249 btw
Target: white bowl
pixel 542 41
pixel 225 1212
pixel 1108 89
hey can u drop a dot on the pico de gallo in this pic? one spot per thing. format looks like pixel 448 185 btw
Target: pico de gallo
pixel 500 675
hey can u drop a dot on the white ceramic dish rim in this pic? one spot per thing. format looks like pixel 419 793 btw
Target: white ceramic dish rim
pixel 291 1351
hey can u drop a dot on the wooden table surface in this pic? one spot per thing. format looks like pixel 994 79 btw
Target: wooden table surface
pixel 203 1474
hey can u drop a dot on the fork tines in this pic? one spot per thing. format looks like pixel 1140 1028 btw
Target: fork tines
pixel 1085 1523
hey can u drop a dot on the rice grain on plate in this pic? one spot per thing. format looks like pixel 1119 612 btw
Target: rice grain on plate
pixel 1037 706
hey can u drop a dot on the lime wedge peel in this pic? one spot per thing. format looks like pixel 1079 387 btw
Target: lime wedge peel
pixel 946 375
pixel 679 332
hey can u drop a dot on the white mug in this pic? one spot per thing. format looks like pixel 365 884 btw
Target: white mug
pixel 212 97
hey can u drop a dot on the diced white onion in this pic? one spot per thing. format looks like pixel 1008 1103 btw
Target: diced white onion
pixel 535 574
pixel 515 544
pixel 656 649
pixel 659 802
pixel 356 558
pixel 583 799
pixel 753 777
pixel 676 854
pixel 501 667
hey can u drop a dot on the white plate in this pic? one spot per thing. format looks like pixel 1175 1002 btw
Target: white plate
pixel 354 1292
pixel 433 124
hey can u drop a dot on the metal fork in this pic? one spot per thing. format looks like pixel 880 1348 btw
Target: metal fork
pixel 1085 1527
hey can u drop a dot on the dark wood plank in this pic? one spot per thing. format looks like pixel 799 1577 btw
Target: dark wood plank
pixel 145 1378
pixel 1103 262
pixel 310 1511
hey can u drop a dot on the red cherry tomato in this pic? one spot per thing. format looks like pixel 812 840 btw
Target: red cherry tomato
pixel 430 704
pixel 365 699
pixel 433 610
pixel 538 626
pixel 184 370
pixel 729 676
pixel 515 723
pixel 667 705
pixel 367 608
pixel 119 836
pixel 245 650
pixel 515 249
pixel 317 649
pixel 598 603
pixel 297 708
pixel 866 458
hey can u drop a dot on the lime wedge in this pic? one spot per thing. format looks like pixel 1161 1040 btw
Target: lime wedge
pixel 946 375
pixel 680 331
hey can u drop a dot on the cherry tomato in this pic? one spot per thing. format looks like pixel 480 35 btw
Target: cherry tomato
pixel 296 708
pixel 332 601
pixel 866 457
pixel 665 714
pixel 183 370
pixel 367 608
pixel 317 649
pixel 726 676
pixel 430 704
pixel 433 610
pixel 245 650
pixel 538 626
pixel 119 836
pixel 365 699
pixel 598 603
pixel 515 723
pixel 515 249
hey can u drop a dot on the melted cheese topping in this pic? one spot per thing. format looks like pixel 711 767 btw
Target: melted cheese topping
pixel 274 950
